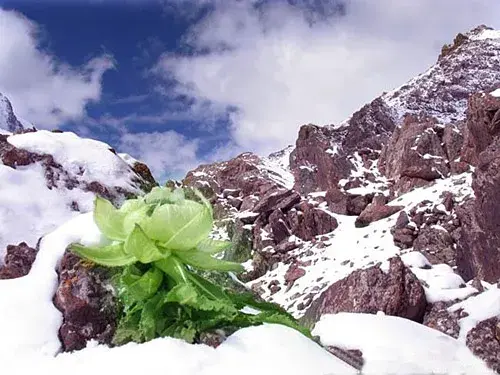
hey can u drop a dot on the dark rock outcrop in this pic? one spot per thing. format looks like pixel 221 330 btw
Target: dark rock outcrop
pixel 414 154
pixel 483 340
pixel 397 292
pixel 88 306
pixel 18 261
pixel 377 210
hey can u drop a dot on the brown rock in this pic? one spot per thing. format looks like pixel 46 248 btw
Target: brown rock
pixel 415 152
pixel 294 273
pixel 18 261
pixel 480 128
pixel 279 199
pixel 370 290
pixel 438 317
pixel 375 212
pixel 483 342
pixel 86 303
pixel 436 245
pixel 310 222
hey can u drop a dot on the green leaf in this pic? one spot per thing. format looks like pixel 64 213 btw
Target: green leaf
pixel 212 246
pixel 206 287
pixel 131 205
pixel 158 195
pixel 111 255
pixel 179 226
pixel 140 246
pixel 205 261
pixel 137 287
pixel 138 216
pixel 173 268
pixel 187 294
pixel 108 219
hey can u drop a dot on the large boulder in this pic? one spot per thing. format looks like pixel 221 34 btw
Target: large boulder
pixel 377 210
pixel 482 125
pixel 397 292
pixel 86 302
pixel 414 154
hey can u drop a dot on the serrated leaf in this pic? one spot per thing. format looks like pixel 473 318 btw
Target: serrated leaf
pixel 108 219
pixel 212 246
pixel 138 216
pixel 179 226
pixel 111 255
pixel 140 246
pixel 139 287
pixel 205 261
pixel 206 287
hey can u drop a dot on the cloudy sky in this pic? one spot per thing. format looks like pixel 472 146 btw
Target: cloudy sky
pixel 182 82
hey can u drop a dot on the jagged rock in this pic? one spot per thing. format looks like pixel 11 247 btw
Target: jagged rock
pixel 310 222
pixel 88 306
pixel 375 211
pixel 18 261
pixel 279 227
pixel 483 340
pixel 440 318
pixel 478 252
pixel 294 273
pixel 414 152
pixel 436 245
pixel 397 292
pixel 313 167
pixel 453 140
pixel 277 200
pixel 480 128
pixel 8 119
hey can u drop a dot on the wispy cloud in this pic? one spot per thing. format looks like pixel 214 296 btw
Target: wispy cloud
pixel 168 154
pixel 43 89
pixel 285 63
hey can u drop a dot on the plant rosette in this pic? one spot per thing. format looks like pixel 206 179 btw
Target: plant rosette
pixel 158 240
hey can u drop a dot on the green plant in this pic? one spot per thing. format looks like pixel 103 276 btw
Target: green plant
pixel 158 240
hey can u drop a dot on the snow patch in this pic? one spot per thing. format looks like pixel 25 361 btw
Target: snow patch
pixel 393 345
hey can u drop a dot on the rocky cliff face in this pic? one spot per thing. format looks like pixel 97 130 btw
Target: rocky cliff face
pixel 410 177
pixel 394 211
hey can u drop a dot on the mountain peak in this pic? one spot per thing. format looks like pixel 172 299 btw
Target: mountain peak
pixel 8 120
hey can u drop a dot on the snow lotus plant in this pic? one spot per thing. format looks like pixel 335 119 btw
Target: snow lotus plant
pixel 158 241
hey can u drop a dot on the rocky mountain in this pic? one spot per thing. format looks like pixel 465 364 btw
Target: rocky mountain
pixel 381 232
pixel 393 210
pixel 8 120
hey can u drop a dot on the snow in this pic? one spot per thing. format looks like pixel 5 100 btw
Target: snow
pixel 28 209
pixel 87 159
pixel 496 93
pixel 29 323
pixel 487 34
pixel 481 307
pixel 393 345
pixel 349 248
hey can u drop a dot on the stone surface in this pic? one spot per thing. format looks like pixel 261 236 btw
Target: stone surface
pixel 397 292
pixel 86 302
pixel 484 342
pixel 18 261
pixel 374 212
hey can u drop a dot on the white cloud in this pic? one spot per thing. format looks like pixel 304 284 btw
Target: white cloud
pixel 168 154
pixel 282 67
pixel 42 89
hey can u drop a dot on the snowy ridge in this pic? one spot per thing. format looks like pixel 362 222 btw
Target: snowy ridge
pixel 43 197
pixel 472 66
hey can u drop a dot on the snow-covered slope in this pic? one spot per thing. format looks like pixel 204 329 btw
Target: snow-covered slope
pixel 48 178
pixel 470 64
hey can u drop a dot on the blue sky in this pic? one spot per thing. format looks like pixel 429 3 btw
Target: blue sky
pixel 181 82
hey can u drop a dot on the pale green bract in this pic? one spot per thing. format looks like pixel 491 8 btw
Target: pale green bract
pixel 157 240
